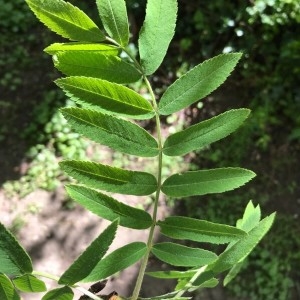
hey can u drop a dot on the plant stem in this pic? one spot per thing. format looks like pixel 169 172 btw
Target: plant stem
pixel 144 262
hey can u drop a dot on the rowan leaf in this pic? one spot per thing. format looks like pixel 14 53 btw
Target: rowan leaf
pixel 7 289
pixel 172 274
pixel 29 283
pixel 64 293
pixel 197 83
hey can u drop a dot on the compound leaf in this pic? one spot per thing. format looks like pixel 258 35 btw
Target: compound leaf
pixel 64 293
pixel 118 134
pixel 29 283
pixel 109 208
pixel 172 274
pixel 156 33
pixel 66 20
pixel 7 289
pixel 117 261
pixel 87 261
pixel 114 18
pixel 14 259
pixel 106 96
pixel 198 83
pixel 205 133
pixel 109 178
pixel 199 230
pixel 206 181
pixel 179 255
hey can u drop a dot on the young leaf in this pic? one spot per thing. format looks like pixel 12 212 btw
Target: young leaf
pixel 156 33
pixel 211 283
pixel 205 133
pixel 109 208
pixel 240 250
pixel 172 274
pixel 114 18
pixel 206 181
pixel 66 20
pixel 233 272
pixel 109 97
pixel 84 47
pixel 97 65
pixel 14 259
pixel 198 83
pixel 64 293
pixel 199 230
pixel 179 255
pixel 110 179
pixel 117 261
pixel 7 290
pixel 29 283
pixel 250 218
pixel 118 134
pixel 87 261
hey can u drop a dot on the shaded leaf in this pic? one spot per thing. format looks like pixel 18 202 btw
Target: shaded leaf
pixel 172 274
pixel 64 293
pixel 179 255
pixel 233 272
pixel 109 97
pixel 110 179
pixel 114 18
pixel 7 290
pixel 117 261
pixel 108 208
pixel 97 65
pixel 206 181
pixel 29 283
pixel 66 20
pixel 83 47
pixel 14 259
pixel 198 83
pixel 92 255
pixel 205 133
pixel 211 283
pixel 166 296
pixel 156 33
pixel 199 230
pixel 118 134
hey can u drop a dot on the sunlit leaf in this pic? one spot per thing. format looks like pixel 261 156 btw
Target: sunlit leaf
pixel 116 133
pixel 156 33
pixel 250 218
pixel 29 283
pixel 64 293
pixel 198 83
pixel 66 20
pixel 117 261
pixel 206 181
pixel 7 290
pixel 205 133
pixel 109 208
pixel 92 255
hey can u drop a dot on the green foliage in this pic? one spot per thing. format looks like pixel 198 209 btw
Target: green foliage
pixel 103 118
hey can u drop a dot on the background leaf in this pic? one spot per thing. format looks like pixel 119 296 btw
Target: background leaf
pixel 156 33
pixel 117 261
pixel 29 283
pixel 66 20
pixel 205 133
pixel 97 65
pixel 197 83
pixel 114 18
pixel 7 290
pixel 64 293
pixel 93 254
pixel 14 259
pixel 179 255
pixel 109 208
pixel 206 181
pixel 109 97
pixel 199 230
pixel 110 179
pixel 118 134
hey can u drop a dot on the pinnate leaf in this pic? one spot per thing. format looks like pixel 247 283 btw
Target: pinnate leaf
pixel 110 179
pixel 206 181
pixel 29 283
pixel 64 293
pixel 117 261
pixel 172 274
pixel 114 18
pixel 179 255
pixel 205 133
pixel 66 20
pixel 87 261
pixel 118 134
pixel 14 259
pixel 198 83
pixel 109 208
pixel 7 290
pixel 156 33
pixel 199 230
pixel 109 97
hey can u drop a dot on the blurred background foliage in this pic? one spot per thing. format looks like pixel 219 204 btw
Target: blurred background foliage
pixel 34 137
